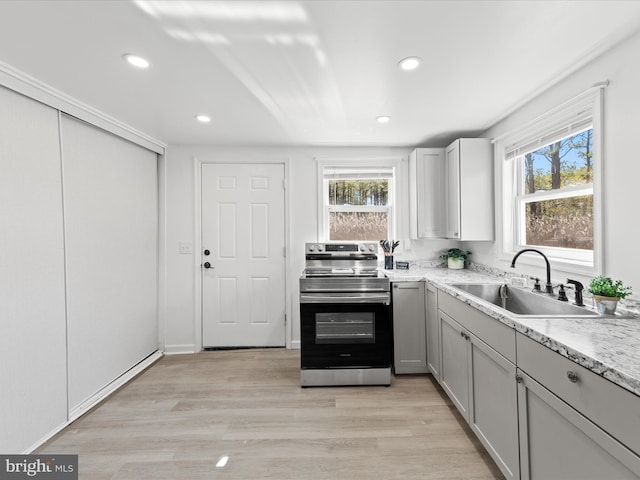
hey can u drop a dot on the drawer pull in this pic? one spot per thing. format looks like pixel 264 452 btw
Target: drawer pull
pixel 572 376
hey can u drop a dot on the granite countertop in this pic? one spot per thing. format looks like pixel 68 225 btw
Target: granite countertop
pixel 608 346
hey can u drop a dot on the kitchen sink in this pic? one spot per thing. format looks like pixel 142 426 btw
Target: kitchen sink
pixel 524 303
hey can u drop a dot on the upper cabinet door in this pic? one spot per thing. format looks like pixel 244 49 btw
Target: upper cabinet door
pixel 451 191
pixel 469 171
pixel 452 156
pixel 427 191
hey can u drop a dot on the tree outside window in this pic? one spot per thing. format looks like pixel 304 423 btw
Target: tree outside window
pixel 556 199
pixel 357 203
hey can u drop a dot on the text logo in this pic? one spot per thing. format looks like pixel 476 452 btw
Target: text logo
pixel 49 467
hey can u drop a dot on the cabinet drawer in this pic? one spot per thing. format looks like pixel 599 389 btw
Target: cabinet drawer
pixel 614 409
pixel 495 334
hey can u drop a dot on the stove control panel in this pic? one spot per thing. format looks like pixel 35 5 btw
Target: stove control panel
pixel 341 249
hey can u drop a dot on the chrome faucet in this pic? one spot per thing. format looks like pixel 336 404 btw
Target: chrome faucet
pixel 548 288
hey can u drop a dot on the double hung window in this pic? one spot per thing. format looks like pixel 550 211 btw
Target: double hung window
pixel 551 191
pixel 357 202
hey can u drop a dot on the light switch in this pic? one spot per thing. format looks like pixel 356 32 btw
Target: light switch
pixel 185 248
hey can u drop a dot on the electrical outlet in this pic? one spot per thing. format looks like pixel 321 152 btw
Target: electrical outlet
pixel 185 248
pixel 518 282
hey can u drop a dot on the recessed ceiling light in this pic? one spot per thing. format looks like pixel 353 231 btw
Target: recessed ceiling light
pixel 136 60
pixel 409 63
pixel 203 118
pixel 383 119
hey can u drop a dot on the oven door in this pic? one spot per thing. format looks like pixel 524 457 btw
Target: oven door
pixel 345 330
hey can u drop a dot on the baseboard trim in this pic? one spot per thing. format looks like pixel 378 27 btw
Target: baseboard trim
pixel 45 438
pixel 98 397
pixel 295 345
pixel 179 349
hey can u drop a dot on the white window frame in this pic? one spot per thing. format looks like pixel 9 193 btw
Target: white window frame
pixel 326 166
pixel 576 115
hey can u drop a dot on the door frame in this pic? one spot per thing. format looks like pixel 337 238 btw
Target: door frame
pixel 232 159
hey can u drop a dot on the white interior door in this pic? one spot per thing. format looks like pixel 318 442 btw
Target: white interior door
pixel 243 241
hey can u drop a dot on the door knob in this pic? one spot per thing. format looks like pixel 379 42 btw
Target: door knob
pixel 207 265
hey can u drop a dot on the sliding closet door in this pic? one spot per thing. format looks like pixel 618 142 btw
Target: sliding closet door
pixel 110 205
pixel 33 372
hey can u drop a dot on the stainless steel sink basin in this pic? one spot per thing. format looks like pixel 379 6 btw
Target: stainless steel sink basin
pixel 525 303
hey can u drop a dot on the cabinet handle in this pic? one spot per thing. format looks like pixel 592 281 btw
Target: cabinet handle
pixel 519 379
pixel 572 376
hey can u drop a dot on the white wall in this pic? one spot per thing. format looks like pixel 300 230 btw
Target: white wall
pixel 621 157
pixel 181 320
pixel 621 195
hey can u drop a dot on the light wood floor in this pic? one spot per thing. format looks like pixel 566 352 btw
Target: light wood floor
pixel 180 416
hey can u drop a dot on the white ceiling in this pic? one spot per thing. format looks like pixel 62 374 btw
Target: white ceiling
pixel 308 72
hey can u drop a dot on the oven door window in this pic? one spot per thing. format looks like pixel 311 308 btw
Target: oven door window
pixel 345 327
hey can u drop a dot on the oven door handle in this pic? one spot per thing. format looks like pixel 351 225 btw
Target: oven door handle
pixel 382 298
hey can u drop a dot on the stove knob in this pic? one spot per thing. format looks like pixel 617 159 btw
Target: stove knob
pixel 319 248
pixel 312 248
pixel 363 248
pixel 372 248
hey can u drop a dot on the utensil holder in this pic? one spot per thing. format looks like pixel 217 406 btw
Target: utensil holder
pixel 388 262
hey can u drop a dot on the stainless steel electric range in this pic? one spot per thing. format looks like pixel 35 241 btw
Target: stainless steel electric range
pixel 346 331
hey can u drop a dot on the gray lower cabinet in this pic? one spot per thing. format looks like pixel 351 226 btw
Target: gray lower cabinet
pixel 481 384
pixel 558 442
pixel 573 423
pixel 493 415
pixel 480 381
pixel 409 328
pixel 540 416
pixel 433 331
pixel 454 369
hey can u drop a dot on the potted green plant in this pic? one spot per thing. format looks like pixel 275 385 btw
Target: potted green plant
pixel 607 292
pixel 455 258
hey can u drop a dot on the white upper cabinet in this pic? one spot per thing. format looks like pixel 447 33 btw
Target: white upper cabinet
pixel 469 189
pixel 427 193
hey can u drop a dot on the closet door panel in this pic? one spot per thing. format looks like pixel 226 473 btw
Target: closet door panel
pixel 110 201
pixel 33 398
